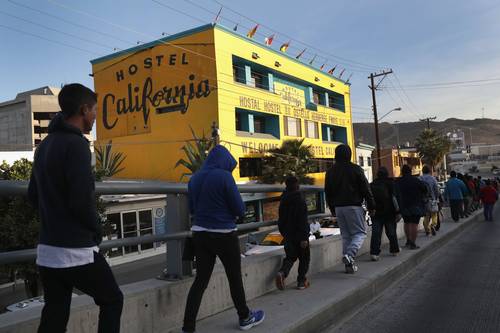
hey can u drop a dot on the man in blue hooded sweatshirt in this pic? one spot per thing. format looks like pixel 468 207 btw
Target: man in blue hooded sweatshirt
pixel 216 203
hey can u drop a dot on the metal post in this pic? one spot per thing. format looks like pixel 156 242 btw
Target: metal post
pixel 177 220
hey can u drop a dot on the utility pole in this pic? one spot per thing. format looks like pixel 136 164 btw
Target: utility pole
pixel 373 88
pixel 428 121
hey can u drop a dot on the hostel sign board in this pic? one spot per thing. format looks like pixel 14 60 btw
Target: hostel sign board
pixel 134 89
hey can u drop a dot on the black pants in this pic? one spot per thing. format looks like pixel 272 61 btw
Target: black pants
pixel 456 208
pixel 208 246
pixel 95 280
pixel 390 230
pixel 294 251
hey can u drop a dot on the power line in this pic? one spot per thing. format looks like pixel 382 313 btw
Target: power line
pixel 68 22
pixel 293 39
pixel 56 30
pixel 47 39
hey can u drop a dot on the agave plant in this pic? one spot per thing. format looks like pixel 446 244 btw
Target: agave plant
pixel 196 151
pixel 108 163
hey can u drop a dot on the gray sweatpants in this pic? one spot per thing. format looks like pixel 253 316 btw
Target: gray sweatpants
pixel 351 221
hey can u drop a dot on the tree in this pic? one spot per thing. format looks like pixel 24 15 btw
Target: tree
pixel 293 158
pixel 19 227
pixel 432 147
pixel 196 153
pixel 108 164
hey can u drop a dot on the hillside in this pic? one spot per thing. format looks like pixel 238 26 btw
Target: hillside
pixel 485 131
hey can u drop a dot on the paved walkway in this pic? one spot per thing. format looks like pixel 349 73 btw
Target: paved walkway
pixel 455 290
pixel 333 295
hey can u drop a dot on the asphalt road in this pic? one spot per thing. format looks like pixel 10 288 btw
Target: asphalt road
pixel 456 290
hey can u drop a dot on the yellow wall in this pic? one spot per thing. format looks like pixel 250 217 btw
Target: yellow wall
pixel 233 94
pixel 150 140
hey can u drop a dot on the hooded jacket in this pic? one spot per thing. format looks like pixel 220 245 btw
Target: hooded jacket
pixel 292 223
pixel 345 182
pixel 62 188
pixel 214 199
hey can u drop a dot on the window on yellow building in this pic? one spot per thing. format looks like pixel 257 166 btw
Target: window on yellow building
pixel 292 127
pixel 315 97
pixel 311 129
pixel 238 74
pixel 259 124
pixel 250 167
pixel 336 101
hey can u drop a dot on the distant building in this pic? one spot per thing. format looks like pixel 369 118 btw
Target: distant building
pixel 24 121
pixel 393 159
pixel 364 159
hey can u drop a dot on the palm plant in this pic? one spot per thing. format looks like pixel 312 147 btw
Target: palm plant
pixel 196 151
pixel 108 163
pixel 293 158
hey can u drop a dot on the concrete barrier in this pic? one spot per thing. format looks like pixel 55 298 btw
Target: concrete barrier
pixel 158 306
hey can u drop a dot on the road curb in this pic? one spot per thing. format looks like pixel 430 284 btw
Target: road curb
pixel 373 288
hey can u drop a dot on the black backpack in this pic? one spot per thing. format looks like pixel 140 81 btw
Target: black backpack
pixel 383 198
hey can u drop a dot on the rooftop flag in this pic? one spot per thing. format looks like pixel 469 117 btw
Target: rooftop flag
pixel 269 40
pixel 300 54
pixel 235 27
pixel 285 46
pixel 340 75
pixel 312 60
pixel 218 15
pixel 322 66
pixel 332 70
pixel 348 79
pixel 252 32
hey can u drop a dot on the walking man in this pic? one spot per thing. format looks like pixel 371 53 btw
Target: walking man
pixel 386 214
pixel 294 227
pixel 215 202
pixel 454 194
pixel 346 189
pixel 62 188
pixel 432 208
pixel 411 194
pixel 489 196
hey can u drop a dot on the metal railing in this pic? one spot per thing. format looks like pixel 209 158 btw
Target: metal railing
pixel 177 225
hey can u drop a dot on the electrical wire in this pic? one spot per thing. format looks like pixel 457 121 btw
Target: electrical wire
pixel 371 67
pixel 47 39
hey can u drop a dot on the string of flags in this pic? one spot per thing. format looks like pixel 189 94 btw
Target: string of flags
pixel 268 41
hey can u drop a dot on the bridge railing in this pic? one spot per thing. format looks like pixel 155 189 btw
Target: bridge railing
pixel 177 213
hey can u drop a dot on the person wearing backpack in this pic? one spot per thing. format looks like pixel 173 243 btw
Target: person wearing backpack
pixel 386 214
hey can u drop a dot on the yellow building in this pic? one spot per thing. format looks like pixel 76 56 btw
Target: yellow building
pixel 151 95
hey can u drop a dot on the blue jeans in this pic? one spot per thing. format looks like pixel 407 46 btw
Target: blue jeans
pixel 351 221
pixel 488 212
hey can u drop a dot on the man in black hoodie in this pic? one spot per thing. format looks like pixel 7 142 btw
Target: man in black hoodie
pixel 346 188
pixel 294 228
pixel 62 188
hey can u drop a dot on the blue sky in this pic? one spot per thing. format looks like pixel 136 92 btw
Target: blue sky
pixel 424 42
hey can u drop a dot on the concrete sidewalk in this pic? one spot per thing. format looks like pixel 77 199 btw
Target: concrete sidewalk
pixel 334 295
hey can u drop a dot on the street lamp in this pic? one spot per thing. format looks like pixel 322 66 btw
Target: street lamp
pixel 385 115
pixel 377 134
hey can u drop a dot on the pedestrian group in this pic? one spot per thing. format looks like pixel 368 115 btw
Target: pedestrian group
pixel 62 188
